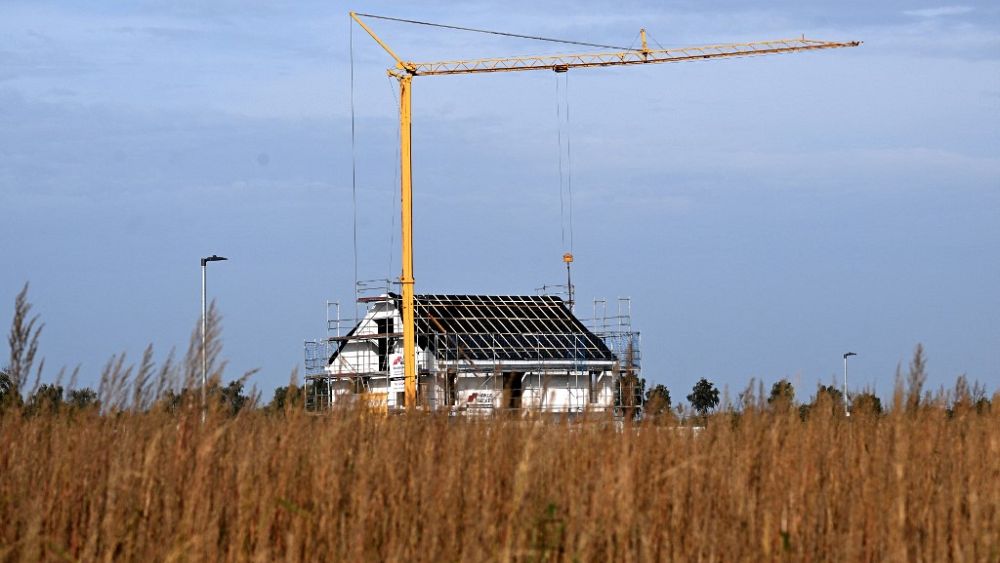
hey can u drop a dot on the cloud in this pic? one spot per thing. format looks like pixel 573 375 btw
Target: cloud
pixel 939 11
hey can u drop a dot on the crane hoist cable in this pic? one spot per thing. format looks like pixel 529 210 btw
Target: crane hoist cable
pixel 354 169
pixel 565 173
pixel 562 203
pixel 565 195
pixel 569 162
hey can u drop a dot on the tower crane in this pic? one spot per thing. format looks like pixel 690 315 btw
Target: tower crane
pixel 404 71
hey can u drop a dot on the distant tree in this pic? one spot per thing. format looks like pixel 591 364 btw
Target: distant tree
pixel 278 400
pixel 782 395
pixel 286 397
pixel 866 402
pixel 969 398
pixel 828 399
pixel 9 395
pixel 804 411
pixel 704 396
pixel 172 401
pixel 658 400
pixel 46 399
pixel 232 397
pixel 831 392
pixel 82 399
pixel 983 405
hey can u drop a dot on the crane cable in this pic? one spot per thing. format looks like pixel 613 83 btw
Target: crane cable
pixel 569 165
pixel 354 171
pixel 565 178
pixel 562 204
pixel 503 33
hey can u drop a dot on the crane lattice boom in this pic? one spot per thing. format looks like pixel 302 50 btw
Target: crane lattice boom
pixel 632 57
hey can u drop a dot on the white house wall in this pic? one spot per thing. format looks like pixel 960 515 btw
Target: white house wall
pixel 361 356
pixel 562 392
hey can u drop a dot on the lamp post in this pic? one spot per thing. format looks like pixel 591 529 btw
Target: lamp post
pixel 846 409
pixel 204 331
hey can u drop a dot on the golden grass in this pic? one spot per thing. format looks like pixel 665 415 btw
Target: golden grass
pixel 917 485
pixel 144 479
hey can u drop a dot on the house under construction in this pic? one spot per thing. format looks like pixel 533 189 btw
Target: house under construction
pixel 480 354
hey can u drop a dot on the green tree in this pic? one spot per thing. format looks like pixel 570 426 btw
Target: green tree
pixel 82 399
pixel 969 398
pixel 9 395
pixel 657 400
pixel 866 403
pixel 983 405
pixel 782 395
pixel 172 400
pixel 828 399
pixel 46 399
pixel 832 393
pixel 232 397
pixel 286 397
pixel 704 396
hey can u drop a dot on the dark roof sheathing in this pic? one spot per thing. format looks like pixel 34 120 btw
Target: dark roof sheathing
pixel 504 327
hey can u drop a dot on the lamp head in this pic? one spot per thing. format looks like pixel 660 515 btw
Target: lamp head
pixel 212 258
pixel 849 354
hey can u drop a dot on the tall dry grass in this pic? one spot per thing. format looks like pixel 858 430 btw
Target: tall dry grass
pixel 145 479
pixel 907 486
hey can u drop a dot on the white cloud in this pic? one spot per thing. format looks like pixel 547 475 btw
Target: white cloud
pixel 939 11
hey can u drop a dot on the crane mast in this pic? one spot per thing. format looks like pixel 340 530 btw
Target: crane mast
pixel 404 71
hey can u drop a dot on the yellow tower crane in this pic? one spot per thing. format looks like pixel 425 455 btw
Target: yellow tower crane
pixel 404 71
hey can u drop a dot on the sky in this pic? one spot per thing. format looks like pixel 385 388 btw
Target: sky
pixel 764 215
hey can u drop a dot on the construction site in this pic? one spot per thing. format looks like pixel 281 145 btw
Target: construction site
pixel 488 354
pixel 480 354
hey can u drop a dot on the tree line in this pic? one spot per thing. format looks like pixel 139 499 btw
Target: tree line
pixel 704 397
pixel 174 385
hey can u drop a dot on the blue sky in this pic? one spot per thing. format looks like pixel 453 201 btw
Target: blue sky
pixel 765 215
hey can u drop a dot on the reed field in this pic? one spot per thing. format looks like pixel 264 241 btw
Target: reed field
pixel 143 478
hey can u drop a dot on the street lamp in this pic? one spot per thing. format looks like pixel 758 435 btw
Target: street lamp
pixel 846 355
pixel 204 332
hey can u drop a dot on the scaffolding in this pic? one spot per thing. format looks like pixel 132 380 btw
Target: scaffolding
pixel 479 355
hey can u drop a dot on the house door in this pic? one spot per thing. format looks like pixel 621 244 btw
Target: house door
pixel 513 388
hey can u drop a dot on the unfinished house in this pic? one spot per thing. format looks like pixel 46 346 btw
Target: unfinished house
pixel 479 354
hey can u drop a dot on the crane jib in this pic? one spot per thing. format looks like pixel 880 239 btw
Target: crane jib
pixel 560 63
